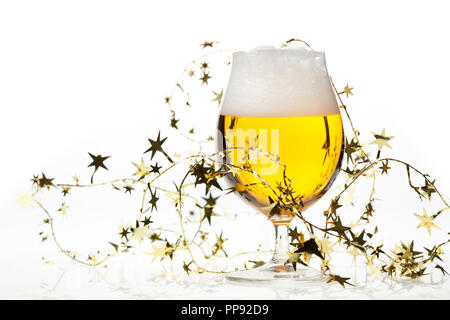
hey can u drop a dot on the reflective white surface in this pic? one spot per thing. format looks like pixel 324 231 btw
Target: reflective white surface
pixel 79 282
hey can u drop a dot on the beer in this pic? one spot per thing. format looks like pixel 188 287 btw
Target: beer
pixel 309 148
pixel 282 137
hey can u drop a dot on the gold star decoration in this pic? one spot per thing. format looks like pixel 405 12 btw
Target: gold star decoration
pixel 155 168
pixel 35 179
pixel 206 169
pixel 426 221
pixel 46 182
pixel 65 190
pixel 381 140
pixel 154 237
pixel 207 44
pixel 293 258
pixel 154 199
pixel 377 251
pixel 142 169
pixel 140 233
pixel 124 233
pixel 384 168
pixel 218 246
pixel 128 188
pixel 334 205
pixel 350 148
pixel 339 228
pixel 218 97
pixel 158 252
pixel 296 236
pixel 428 189
pixel 233 170
pixel 205 78
pixel 341 280
pixel 97 162
pixel 186 267
pixel 347 90
pixel 190 73
pixel 173 122
pixel 170 250
pixel 325 246
pixel 146 221
pixel 310 246
pixel 25 200
pixel 156 146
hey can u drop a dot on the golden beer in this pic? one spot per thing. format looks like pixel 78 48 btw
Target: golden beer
pixel 310 148
pixel 282 137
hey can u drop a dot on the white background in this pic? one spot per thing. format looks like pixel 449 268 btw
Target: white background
pixel 79 76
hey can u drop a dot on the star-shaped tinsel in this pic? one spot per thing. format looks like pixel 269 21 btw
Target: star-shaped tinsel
pixel 339 228
pixel 341 280
pixel 426 221
pixel 46 182
pixel 97 162
pixel 207 170
pixel 218 246
pixel 381 140
pixel 124 233
pixel 358 241
pixel 295 235
pixel 173 122
pixel 140 233
pixel 128 188
pixel 350 148
pixel 154 199
pixel 211 201
pixel 218 97
pixel 205 78
pixel 25 200
pixel 35 179
pixel 428 189
pixel 310 246
pixel 142 169
pixel 186 267
pixel 206 174
pixel 347 90
pixel 158 252
pixel 65 190
pixel 334 206
pixel 384 168
pixel 156 146
pixel 206 44
pixel 274 208
pixel 155 168
pixel 146 221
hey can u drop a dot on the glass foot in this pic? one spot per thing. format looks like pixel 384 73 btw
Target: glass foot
pixel 275 274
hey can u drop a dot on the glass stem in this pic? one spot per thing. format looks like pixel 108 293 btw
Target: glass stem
pixel 281 244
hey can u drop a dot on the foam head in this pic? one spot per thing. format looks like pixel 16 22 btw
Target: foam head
pixel 267 82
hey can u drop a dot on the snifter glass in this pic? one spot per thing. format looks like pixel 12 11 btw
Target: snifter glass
pixel 282 137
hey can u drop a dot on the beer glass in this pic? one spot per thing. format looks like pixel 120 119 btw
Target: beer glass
pixel 282 137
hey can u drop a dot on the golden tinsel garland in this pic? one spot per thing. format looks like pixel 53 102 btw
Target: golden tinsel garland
pixel 205 170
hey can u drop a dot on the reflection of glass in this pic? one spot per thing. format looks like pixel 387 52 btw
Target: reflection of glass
pixel 283 137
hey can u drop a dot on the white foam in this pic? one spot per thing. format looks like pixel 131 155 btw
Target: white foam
pixel 267 82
